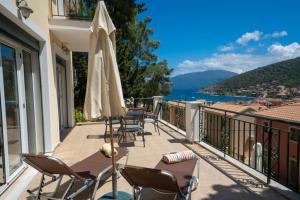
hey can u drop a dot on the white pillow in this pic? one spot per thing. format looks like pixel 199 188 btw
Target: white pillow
pixel 106 149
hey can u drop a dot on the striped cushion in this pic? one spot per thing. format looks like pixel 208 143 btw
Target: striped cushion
pixel 178 157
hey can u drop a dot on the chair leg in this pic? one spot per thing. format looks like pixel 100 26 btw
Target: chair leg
pixel 42 183
pixel 136 193
pixel 95 189
pixel 105 133
pixel 154 126
pixel 134 137
pixel 143 138
pixel 157 128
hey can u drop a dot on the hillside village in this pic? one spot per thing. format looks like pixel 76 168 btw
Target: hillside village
pixel 272 90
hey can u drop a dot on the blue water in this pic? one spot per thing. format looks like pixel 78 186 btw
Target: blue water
pixel 193 95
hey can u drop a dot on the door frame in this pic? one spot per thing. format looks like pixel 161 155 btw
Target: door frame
pixel 58 87
pixel 22 105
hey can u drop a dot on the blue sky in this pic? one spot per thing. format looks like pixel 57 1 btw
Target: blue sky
pixel 235 35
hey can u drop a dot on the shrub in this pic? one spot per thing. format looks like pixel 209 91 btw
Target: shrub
pixel 79 116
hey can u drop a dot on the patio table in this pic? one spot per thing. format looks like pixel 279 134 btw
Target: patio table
pixel 132 122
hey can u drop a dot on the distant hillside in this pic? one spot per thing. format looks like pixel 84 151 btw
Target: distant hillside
pixel 262 81
pixel 199 80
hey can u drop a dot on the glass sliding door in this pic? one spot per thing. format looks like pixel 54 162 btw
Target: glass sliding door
pixel 62 93
pixel 2 163
pixel 29 94
pixel 11 103
pixel 32 84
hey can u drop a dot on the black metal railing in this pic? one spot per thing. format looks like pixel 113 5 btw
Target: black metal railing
pixel 146 103
pixel 74 9
pixel 173 112
pixel 267 145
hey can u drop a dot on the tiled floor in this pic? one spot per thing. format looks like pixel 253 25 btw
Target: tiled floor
pixel 215 183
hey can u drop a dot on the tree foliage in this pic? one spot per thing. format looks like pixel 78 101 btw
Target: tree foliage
pixel 142 74
pixel 284 73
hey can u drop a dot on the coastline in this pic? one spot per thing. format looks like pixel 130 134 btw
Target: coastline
pixel 193 95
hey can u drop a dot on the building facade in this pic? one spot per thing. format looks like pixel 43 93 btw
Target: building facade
pixel 36 78
pixel 285 140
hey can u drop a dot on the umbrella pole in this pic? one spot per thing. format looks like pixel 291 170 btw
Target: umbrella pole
pixel 114 173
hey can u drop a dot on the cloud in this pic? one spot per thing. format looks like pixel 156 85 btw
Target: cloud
pixel 239 62
pixel 228 47
pixel 230 61
pixel 276 34
pixel 258 35
pixel 291 50
pixel 247 37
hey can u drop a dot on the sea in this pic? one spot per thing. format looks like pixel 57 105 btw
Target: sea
pixel 194 94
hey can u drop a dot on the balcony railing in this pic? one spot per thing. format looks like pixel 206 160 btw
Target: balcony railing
pixel 269 146
pixel 146 103
pixel 173 112
pixel 73 9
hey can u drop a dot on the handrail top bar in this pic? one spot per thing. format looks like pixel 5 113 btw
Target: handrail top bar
pixel 142 98
pixel 254 115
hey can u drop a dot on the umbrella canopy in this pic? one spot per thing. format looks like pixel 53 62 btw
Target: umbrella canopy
pixel 104 95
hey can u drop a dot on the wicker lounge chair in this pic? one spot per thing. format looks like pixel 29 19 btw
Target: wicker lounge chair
pixel 177 178
pixel 87 172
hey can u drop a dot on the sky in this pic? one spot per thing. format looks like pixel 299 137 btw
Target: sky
pixel 233 35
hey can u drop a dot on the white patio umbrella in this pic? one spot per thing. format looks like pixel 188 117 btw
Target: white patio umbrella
pixel 104 95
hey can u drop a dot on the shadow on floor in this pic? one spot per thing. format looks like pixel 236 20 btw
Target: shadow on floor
pixel 232 192
pixel 176 140
pixel 64 133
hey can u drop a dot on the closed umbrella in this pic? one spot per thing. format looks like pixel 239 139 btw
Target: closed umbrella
pixel 104 96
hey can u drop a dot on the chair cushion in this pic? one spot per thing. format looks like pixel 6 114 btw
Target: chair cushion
pixel 133 127
pixel 183 171
pixel 149 120
pixel 91 166
pixel 115 121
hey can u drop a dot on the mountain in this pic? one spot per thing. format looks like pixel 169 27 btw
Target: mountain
pixel 199 80
pixel 267 80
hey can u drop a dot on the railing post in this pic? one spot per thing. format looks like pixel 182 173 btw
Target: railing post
pixel 225 138
pixel 269 153
pixel 192 116
pixel 157 99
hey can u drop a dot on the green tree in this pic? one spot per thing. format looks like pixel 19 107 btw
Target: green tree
pixel 142 74
pixel 80 62
pixel 138 63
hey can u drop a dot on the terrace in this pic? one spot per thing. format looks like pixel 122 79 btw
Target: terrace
pixel 219 179
pixel 242 155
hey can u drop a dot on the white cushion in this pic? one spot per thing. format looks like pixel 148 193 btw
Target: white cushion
pixel 106 149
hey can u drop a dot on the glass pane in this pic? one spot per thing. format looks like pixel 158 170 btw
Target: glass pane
pixel 11 107
pixel 2 181
pixel 62 96
pixel 29 93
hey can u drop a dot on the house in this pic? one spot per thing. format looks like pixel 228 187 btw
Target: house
pixel 285 139
pixel 36 77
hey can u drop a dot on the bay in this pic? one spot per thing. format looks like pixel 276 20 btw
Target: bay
pixel 193 95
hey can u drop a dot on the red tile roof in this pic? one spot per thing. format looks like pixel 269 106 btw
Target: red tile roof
pixel 286 112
